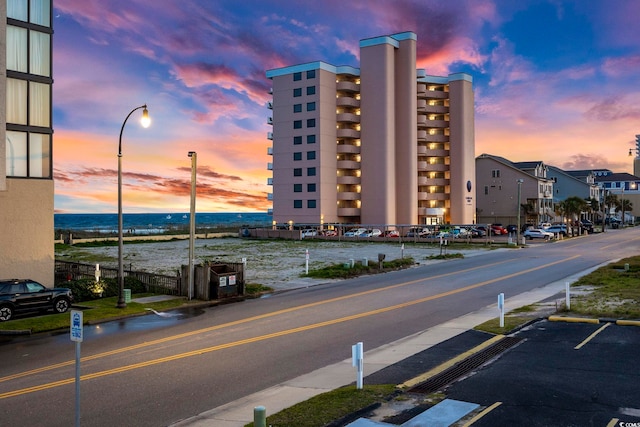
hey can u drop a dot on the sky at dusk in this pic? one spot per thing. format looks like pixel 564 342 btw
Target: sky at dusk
pixel 556 81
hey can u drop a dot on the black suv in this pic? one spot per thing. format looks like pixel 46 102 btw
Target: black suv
pixel 27 295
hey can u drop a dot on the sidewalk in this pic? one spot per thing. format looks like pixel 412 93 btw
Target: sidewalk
pixel 274 399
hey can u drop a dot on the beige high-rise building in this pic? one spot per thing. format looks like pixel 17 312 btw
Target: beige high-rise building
pixel 385 144
pixel 26 180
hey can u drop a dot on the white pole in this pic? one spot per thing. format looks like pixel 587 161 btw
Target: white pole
pixel 501 308
pixel 357 360
pixel 567 293
pixel 306 265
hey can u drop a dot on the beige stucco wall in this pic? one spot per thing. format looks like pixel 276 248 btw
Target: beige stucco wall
pixel 26 230
pixel 462 149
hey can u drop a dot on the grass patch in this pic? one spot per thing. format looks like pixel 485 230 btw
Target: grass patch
pixel 345 271
pixel 327 407
pixel 510 323
pixel 446 256
pixel 256 289
pixel 615 291
pixel 97 310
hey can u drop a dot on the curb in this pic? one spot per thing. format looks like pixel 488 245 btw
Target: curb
pixel 573 319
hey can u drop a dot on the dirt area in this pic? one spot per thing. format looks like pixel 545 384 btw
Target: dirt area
pixel 280 264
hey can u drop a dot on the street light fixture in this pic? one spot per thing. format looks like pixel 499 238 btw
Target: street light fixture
pixel 145 121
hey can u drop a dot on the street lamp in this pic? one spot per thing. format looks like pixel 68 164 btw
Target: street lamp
pixel 520 181
pixel 145 121
pixel 192 220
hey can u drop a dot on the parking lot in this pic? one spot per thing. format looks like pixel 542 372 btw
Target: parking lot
pixel 561 374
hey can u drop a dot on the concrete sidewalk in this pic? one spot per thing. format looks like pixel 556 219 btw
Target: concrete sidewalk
pixel 240 412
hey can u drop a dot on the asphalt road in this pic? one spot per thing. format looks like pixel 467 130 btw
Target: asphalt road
pixel 164 372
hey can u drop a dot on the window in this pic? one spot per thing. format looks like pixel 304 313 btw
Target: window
pixel 311 123
pixel 39 155
pixel 17 9
pixel 311 204
pixel 311 139
pixel 311 106
pixel 16 49
pixel 311 155
pixel 495 173
pixel 297 156
pixel 297 108
pixel 297 124
pixel 311 171
pixel 297 204
pixel 486 190
pixel 40 58
pixel 297 188
pixel 297 140
pixel 297 92
pixel 297 76
pixel 40 12
pixel 297 172
pixel 311 90
pixel 39 104
pixel 16 153
pixel 32 159
pixel 311 74
pixel 17 101
pixel 311 188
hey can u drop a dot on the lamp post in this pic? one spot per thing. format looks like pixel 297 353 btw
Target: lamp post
pixel 145 121
pixel 520 181
pixel 192 220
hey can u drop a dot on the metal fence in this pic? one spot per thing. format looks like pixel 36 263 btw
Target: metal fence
pixel 155 283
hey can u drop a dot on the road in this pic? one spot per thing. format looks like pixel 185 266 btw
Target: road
pixel 154 375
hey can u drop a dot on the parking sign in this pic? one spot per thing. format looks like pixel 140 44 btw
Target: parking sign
pixel 76 325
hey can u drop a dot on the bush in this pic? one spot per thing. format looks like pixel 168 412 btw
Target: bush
pixel 87 289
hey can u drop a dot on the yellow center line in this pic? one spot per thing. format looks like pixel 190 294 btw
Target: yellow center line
pixel 590 337
pixel 269 336
pixel 234 323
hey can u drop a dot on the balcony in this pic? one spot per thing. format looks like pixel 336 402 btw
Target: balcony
pixel 348 164
pixel 347 86
pixel 436 123
pixel 269 181
pixel 270 105
pixel 270 196
pixel 432 167
pixel 270 120
pixel 270 136
pixel 348 118
pixel 348 195
pixel 438 137
pixel 270 166
pixel 424 181
pixel 348 180
pixel 439 152
pixel 432 196
pixel 270 151
pixel 436 94
pixel 348 211
pixel 347 133
pixel 422 135
pixel 347 149
pixel 345 101
pixel 436 109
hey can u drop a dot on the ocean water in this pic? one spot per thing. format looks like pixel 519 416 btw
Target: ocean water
pixel 147 223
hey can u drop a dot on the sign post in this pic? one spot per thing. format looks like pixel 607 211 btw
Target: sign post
pixel 357 360
pixel 77 336
pixel 501 308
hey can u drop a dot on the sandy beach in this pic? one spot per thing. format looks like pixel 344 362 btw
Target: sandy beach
pixel 277 263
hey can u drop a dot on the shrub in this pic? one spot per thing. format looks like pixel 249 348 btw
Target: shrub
pixel 87 290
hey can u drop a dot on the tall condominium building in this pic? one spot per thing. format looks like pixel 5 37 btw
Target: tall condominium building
pixel 383 144
pixel 26 181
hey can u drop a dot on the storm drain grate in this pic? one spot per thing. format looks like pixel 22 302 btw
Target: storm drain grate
pixel 448 376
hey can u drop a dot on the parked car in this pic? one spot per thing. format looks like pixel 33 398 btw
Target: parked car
pixel 512 228
pixel 418 232
pixel 537 233
pixel 587 225
pixel 27 295
pixel 330 233
pixel 498 229
pixel 476 232
pixel 557 229
pixel 308 232
pixel 390 233
pixel 370 232
pixel 354 232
